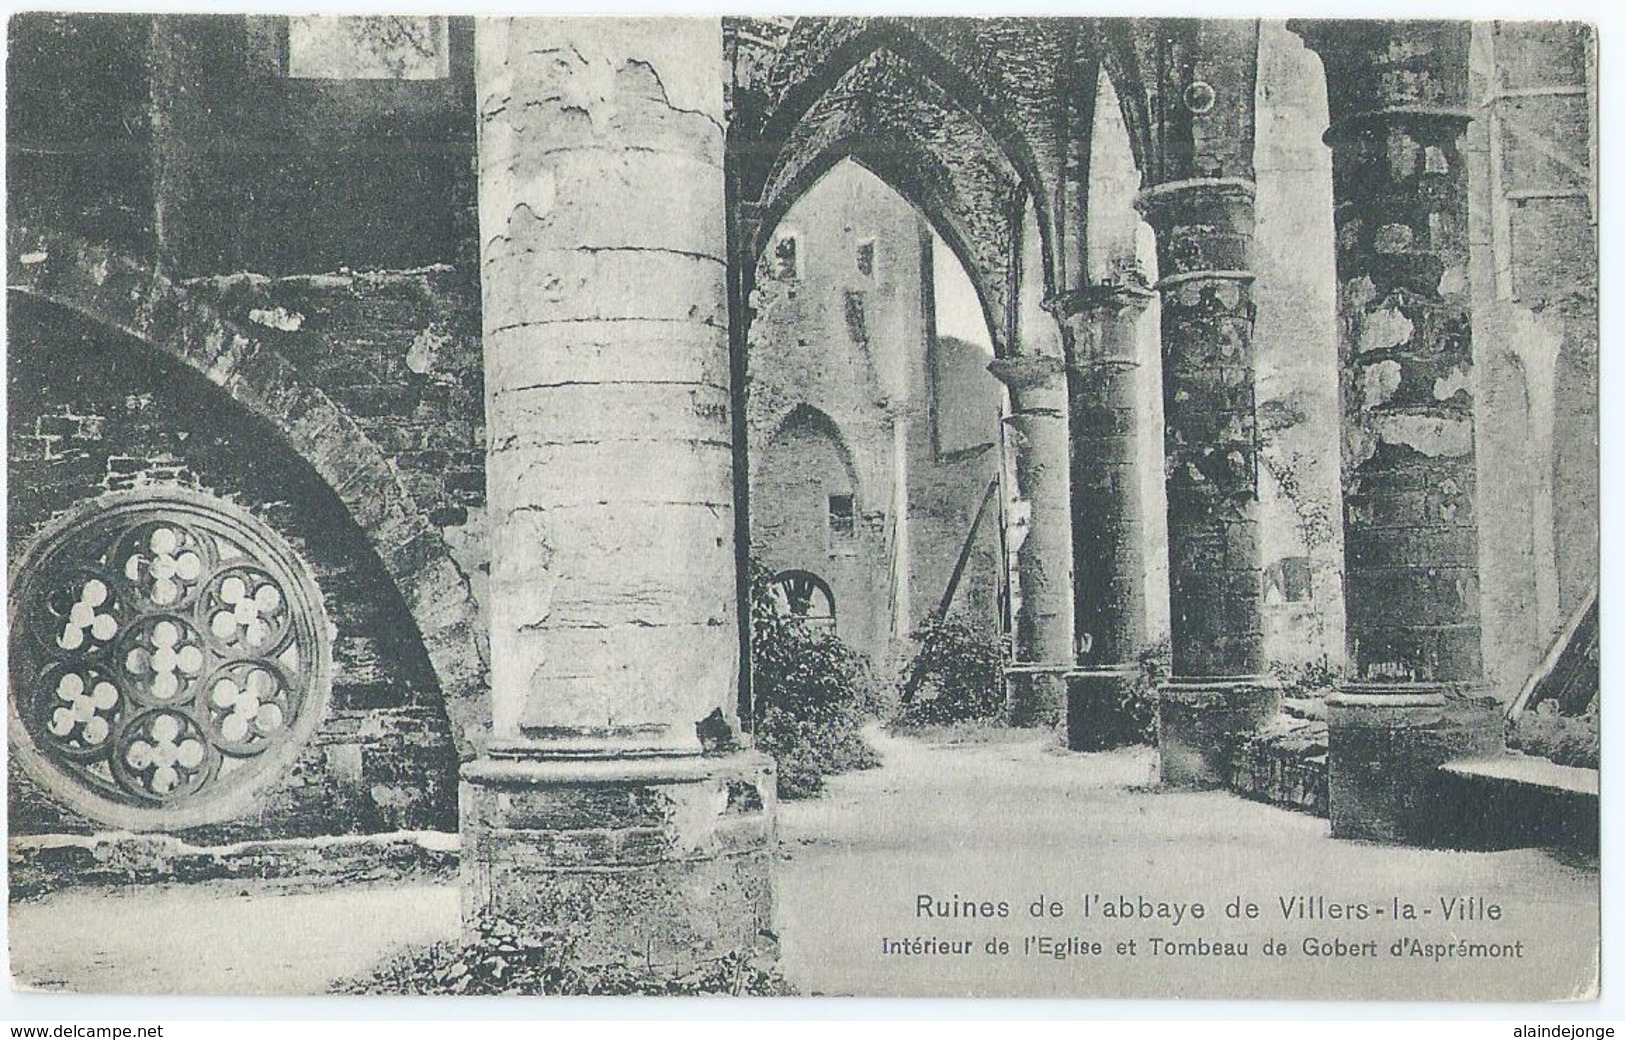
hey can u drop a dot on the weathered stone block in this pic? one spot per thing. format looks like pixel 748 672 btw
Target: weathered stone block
pixel 1094 703
pixel 1200 723
pixel 1284 761
pixel 1386 743
pixel 651 857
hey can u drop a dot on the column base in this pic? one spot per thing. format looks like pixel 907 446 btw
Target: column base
pixel 664 859
pixel 1096 707
pixel 1200 720
pixel 1385 744
pixel 1036 693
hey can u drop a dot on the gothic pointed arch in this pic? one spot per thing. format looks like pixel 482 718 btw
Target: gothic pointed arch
pixel 801 419
pixel 898 124
pixel 1114 41
pixel 821 51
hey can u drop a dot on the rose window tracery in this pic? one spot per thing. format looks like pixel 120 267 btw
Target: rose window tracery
pixel 82 612
pixel 169 653
pixel 163 561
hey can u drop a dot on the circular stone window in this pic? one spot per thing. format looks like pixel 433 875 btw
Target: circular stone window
pixel 169 656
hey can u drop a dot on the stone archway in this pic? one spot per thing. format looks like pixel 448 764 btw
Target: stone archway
pixel 900 99
pixel 115 291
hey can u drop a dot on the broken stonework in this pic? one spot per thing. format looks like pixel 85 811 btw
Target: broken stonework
pixel 1283 761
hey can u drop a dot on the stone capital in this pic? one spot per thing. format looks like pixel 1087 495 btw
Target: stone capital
pixel 1204 224
pixel 1025 373
pixel 1102 300
pixel 1166 204
pixel 1173 281
pixel 1100 319
pixel 1380 74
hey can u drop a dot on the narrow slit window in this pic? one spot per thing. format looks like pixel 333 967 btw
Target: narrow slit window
pixel 866 258
pixel 843 524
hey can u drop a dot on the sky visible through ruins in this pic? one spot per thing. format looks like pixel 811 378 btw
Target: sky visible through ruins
pixel 958 313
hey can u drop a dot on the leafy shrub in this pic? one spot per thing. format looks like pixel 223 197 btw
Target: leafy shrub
pixel 1130 717
pixel 809 691
pixel 957 675
pixel 1568 740
pixel 495 963
pixel 1306 678
pixel 1137 711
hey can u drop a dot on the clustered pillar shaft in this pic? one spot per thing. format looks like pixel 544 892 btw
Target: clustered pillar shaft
pixel 609 477
pixel 1107 534
pixel 1204 249
pixel 1397 93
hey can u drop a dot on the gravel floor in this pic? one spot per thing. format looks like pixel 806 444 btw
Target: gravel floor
pixel 1007 821
pixel 1015 821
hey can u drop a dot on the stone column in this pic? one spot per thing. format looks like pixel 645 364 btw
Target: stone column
pixel 1043 625
pixel 1397 93
pixel 902 562
pixel 1108 567
pixel 1216 689
pixel 595 818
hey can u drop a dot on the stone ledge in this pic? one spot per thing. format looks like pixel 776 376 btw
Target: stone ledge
pixel 1283 762
pixel 506 767
pixel 1527 771
pixel 46 863
pixel 1513 800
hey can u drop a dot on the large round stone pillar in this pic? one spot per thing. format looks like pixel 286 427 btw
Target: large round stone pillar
pixel 1042 626
pixel 1108 567
pixel 1397 93
pixel 1217 689
pixel 595 817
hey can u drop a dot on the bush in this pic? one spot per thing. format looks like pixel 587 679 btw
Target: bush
pixel 496 964
pixel 957 675
pixel 1306 678
pixel 1137 711
pixel 809 692
pixel 1568 740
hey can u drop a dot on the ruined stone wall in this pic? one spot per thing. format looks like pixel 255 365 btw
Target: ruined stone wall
pixel 854 346
pixel 79 149
pixel 1295 335
pixel 1533 232
pixel 949 472
pixel 91 413
pixel 377 172
pixel 399 351
pixel 333 220
pixel 802 464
